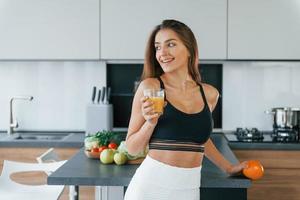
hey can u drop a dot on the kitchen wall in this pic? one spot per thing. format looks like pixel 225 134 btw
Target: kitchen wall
pixel 61 91
pixel 250 88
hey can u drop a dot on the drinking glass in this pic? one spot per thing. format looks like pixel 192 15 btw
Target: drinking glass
pixel 157 97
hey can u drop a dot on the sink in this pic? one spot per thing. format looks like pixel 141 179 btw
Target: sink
pixel 39 136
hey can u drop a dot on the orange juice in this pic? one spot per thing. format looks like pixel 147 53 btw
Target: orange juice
pixel 157 97
pixel 158 103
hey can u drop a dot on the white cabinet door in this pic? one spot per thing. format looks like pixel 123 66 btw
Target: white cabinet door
pixel 264 29
pixel 126 25
pixel 49 29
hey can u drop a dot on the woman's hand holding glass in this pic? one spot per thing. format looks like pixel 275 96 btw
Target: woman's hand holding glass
pixel 148 111
pixel 152 105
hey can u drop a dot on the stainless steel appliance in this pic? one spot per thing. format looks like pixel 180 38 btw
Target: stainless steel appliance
pixel 286 124
pixel 249 135
pixel 254 135
pixel 285 117
pixel 285 134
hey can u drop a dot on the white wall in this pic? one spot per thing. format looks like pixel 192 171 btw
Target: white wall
pixel 250 88
pixel 61 91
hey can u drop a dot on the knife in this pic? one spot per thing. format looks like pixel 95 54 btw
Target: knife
pixel 103 94
pixel 108 95
pixel 94 94
pixel 99 95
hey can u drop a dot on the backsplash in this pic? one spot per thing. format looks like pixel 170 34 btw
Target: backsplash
pixel 250 88
pixel 61 91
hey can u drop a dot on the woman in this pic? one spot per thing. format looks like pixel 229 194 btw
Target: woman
pixel 179 138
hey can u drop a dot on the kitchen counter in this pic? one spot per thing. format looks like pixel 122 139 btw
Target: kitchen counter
pixel 215 184
pixel 74 139
pixel 264 146
pixel 260 145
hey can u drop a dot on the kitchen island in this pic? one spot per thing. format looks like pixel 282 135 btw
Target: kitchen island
pixel 215 184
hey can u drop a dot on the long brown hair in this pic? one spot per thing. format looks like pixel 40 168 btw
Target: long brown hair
pixel 152 68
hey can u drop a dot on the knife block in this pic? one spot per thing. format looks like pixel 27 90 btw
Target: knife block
pixel 99 117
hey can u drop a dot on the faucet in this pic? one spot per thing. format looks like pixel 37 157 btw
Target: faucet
pixel 14 123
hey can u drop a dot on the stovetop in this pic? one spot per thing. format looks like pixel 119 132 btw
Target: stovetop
pixel 254 135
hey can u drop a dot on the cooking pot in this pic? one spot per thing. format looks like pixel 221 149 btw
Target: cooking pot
pixel 285 117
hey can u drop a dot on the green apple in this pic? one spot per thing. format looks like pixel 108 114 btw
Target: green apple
pixel 107 156
pixel 120 158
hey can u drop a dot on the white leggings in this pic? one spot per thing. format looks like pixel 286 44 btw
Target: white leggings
pixel 154 180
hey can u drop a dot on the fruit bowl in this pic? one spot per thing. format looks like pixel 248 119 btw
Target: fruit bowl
pixel 96 155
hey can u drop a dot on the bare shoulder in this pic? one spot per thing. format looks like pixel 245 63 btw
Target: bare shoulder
pixel 149 83
pixel 145 84
pixel 211 94
pixel 210 91
pixel 136 118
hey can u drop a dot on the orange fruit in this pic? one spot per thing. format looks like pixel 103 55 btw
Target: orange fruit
pixel 254 170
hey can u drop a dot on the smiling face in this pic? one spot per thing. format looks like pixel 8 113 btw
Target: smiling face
pixel 171 53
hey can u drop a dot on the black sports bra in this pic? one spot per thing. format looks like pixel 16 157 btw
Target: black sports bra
pixel 180 131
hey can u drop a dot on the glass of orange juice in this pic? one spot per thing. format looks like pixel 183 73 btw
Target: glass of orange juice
pixel 157 96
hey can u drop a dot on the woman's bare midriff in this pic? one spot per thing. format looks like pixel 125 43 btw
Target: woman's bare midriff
pixel 185 159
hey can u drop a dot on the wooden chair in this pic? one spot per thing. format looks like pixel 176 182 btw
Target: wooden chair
pixel 51 156
pixel 10 189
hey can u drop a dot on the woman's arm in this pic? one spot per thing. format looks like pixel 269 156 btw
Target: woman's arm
pixel 142 123
pixel 212 153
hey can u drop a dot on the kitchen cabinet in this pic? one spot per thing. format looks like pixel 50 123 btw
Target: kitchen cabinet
pixel 263 30
pixel 29 155
pixel 126 25
pixel 282 174
pixel 45 30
